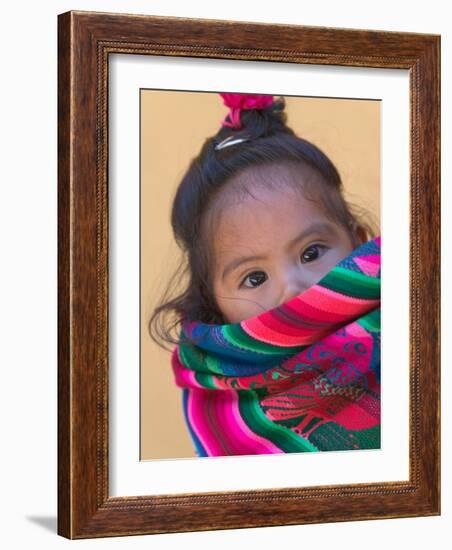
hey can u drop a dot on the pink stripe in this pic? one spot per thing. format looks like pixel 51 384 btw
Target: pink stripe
pixel 237 437
pixel 330 301
pixel 214 430
pixel 220 429
pixel 313 320
pixel 196 416
pixel 354 417
pixel 319 305
pixel 264 334
pixel 183 377
pixel 357 331
pixel 231 431
pixel 251 442
pixel 369 264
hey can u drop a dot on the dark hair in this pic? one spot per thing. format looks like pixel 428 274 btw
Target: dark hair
pixel 271 142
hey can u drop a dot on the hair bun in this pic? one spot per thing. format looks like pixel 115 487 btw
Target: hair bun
pixel 240 102
pixel 253 116
pixel 247 101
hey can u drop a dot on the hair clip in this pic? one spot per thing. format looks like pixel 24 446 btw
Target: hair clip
pixel 231 140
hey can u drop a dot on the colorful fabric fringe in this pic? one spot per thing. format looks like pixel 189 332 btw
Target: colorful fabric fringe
pixel 304 376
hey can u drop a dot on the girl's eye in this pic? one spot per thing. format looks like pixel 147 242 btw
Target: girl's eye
pixel 312 252
pixel 256 278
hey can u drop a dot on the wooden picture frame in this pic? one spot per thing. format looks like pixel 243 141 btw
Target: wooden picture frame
pixel 85 41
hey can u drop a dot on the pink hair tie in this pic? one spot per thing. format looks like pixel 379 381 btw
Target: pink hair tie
pixel 238 102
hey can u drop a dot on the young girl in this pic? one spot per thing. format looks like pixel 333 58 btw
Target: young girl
pixel 278 344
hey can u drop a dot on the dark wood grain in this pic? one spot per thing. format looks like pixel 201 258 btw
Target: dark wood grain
pixel 64 295
pixel 85 41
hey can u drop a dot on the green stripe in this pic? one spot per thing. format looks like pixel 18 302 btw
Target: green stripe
pixel 284 438
pixel 199 361
pixel 334 437
pixel 371 321
pixel 191 357
pixel 206 380
pixel 352 283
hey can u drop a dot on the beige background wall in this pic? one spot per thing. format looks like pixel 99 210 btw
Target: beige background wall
pixel 173 127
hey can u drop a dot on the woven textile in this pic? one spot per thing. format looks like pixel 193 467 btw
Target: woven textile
pixel 304 376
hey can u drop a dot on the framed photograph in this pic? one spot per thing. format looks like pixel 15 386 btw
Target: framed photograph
pixel 348 131
pixel 230 195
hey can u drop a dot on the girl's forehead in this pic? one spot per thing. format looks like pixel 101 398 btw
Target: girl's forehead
pixel 266 222
pixel 264 201
pixel 270 176
pixel 264 185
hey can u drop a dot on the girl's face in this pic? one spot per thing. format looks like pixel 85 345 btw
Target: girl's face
pixel 271 247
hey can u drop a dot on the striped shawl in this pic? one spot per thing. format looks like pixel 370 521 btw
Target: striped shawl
pixel 304 376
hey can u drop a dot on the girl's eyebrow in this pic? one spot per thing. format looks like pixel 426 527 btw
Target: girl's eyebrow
pixel 316 227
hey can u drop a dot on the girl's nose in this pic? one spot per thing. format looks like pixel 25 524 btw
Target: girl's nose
pixel 293 287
